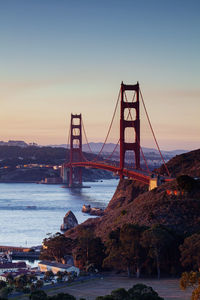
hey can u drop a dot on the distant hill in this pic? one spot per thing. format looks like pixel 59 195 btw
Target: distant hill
pixel 17 155
pixel 108 148
pixel 15 161
pixel 152 155
pixel 19 152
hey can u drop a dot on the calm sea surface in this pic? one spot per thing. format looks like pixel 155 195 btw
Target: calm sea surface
pixel 29 211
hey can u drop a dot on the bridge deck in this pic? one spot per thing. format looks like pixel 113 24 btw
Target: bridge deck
pixel 137 175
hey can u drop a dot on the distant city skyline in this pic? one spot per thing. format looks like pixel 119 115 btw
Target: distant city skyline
pixel 63 57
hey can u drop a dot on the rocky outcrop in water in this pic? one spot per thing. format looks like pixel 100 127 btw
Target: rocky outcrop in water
pixel 69 221
pixel 93 211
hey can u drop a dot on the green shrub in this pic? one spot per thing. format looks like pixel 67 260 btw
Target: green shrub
pixel 143 292
pixel 38 295
pixel 120 294
pixel 106 297
pixel 62 296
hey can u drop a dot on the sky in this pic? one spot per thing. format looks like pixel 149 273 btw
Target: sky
pixel 59 57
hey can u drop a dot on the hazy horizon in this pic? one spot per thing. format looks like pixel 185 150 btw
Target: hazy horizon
pixel 99 142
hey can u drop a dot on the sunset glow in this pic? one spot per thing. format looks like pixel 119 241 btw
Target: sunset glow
pixel 63 57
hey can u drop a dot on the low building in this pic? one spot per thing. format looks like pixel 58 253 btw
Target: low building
pixel 55 267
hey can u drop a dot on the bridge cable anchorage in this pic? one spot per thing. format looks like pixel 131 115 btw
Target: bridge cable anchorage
pixel 153 133
pixel 114 113
pixel 129 114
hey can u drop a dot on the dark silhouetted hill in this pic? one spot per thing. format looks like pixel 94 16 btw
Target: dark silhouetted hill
pixel 187 163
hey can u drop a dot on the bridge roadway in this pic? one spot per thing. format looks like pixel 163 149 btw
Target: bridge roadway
pixel 137 175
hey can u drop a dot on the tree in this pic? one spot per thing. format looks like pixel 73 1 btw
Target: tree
pixel 191 279
pixel 32 287
pixel 106 297
pixel 10 279
pixel 56 247
pixel 114 257
pixel 60 275
pixel 124 248
pixel 137 292
pixel 39 284
pixel 143 292
pixel 38 295
pixel 89 250
pixel 62 296
pixel 48 275
pixel 186 183
pixel 190 252
pixel 156 240
pixel 20 283
pixel 132 251
pixel 120 294
pixel 2 284
pixel 5 291
pixel 31 278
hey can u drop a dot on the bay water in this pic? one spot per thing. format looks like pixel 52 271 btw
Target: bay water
pixel 29 211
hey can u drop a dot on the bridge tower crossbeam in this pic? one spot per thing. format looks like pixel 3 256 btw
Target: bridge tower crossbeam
pixel 135 124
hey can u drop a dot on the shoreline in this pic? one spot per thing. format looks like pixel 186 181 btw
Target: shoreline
pixel 38 182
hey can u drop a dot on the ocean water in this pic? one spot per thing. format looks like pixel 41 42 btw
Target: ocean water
pixel 29 211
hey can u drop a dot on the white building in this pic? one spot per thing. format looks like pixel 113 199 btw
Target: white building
pixel 55 267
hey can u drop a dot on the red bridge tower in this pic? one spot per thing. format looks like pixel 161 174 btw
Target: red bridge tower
pixel 135 124
pixel 75 173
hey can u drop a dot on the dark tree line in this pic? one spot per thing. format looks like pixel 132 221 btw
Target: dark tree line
pixel 132 248
pixel 137 292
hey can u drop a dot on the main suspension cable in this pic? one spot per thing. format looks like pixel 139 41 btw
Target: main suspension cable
pixel 109 157
pixel 116 105
pixel 86 138
pixel 154 133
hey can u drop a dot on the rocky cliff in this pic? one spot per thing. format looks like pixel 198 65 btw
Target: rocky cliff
pixel 168 204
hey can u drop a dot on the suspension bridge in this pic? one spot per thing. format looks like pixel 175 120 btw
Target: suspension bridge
pixel 129 119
